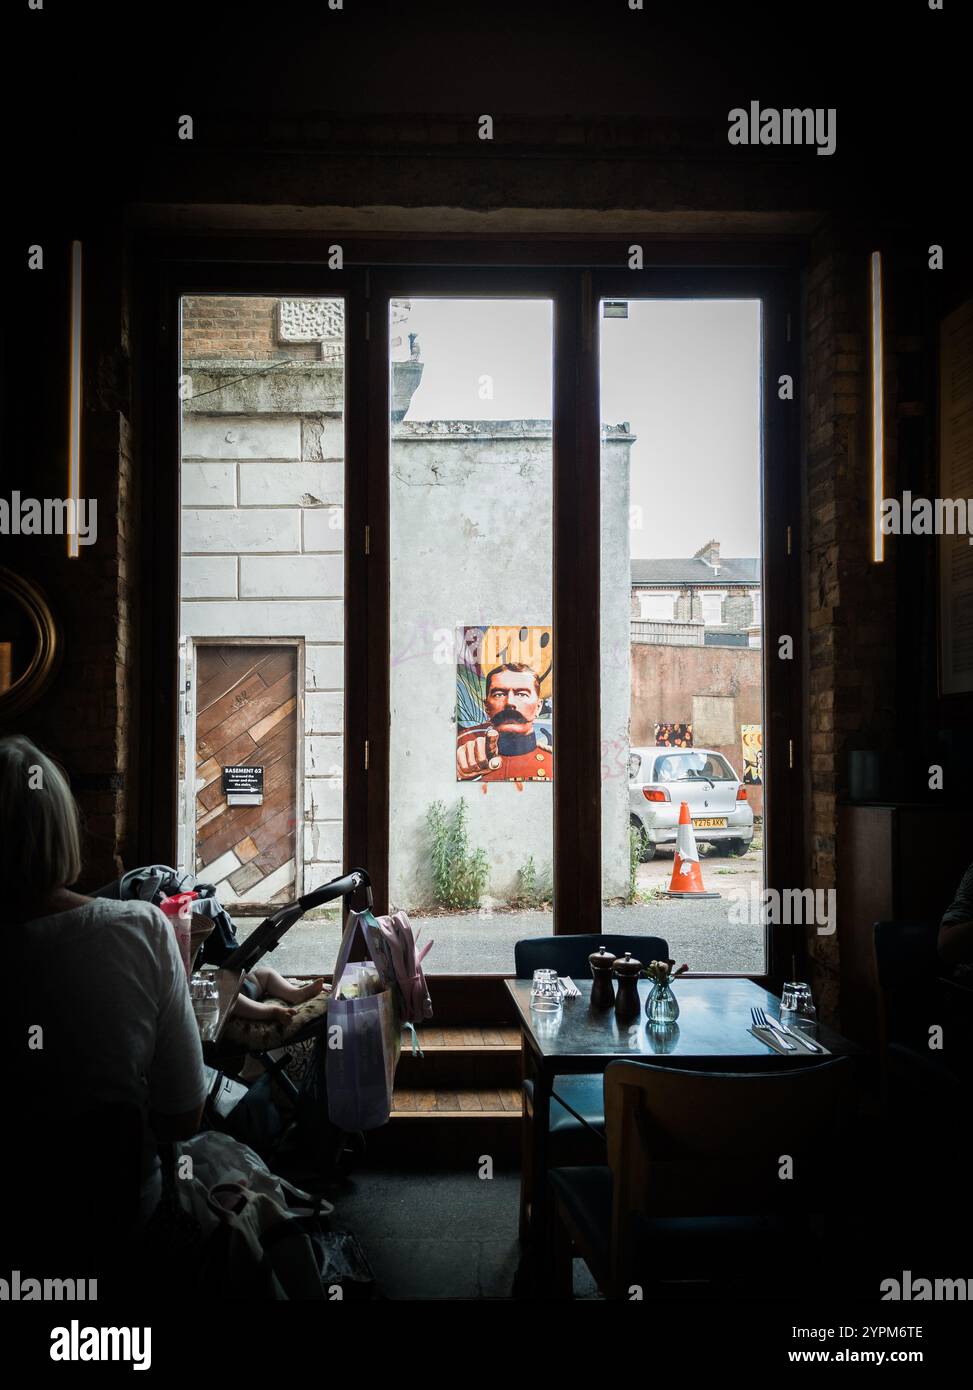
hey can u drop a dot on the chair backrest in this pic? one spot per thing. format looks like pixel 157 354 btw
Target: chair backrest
pixel 568 955
pixel 690 1143
pixel 907 964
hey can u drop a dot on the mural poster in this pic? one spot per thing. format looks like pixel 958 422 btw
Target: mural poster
pixel 504 711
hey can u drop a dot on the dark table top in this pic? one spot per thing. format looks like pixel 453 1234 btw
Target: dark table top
pixel 714 1015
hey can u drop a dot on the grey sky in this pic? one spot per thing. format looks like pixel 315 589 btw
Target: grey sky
pixel 683 373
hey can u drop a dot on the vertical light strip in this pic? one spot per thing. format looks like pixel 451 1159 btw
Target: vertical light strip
pixel 74 404
pixel 878 405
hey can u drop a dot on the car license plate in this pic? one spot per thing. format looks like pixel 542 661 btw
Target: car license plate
pixel 710 823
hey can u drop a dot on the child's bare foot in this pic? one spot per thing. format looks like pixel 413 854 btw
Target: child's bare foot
pixel 256 1011
pixel 308 991
pixel 294 994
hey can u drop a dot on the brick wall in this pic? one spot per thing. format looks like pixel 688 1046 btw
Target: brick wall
pixel 851 615
pixel 85 719
pixel 236 326
pixel 671 685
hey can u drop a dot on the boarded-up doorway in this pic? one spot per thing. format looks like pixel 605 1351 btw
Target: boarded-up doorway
pixel 247 716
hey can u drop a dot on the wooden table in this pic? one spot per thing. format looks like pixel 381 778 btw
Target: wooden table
pixel 710 1035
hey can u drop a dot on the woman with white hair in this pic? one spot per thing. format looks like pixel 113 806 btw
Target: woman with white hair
pixel 105 1017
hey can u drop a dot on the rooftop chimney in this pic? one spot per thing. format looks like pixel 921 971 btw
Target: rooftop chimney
pixel 710 553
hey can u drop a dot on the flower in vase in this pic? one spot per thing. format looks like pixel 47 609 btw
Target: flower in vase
pixel 661 972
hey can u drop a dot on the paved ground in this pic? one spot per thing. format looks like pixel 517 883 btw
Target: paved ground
pixel 698 933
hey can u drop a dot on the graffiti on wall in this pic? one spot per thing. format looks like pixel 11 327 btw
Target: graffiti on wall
pixel 752 740
pixel 673 735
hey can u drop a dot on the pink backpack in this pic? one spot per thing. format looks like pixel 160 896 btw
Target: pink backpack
pixel 400 940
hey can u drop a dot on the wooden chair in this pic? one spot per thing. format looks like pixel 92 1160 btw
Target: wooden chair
pixel 577 1105
pixel 695 1172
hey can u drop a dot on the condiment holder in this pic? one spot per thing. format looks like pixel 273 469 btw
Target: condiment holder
pixel 602 988
pixel 627 971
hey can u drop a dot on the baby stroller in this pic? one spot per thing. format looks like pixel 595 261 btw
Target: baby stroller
pixel 252 1113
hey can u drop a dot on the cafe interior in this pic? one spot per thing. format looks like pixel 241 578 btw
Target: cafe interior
pixel 389 923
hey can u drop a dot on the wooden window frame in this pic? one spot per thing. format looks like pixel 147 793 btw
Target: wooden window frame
pixel 575 273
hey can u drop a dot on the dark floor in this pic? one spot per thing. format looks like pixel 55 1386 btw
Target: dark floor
pixel 436 1235
pixel 445 1234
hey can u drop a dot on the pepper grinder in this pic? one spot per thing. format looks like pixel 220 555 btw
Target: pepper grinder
pixel 627 972
pixel 602 990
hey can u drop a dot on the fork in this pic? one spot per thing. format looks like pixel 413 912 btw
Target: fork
pixel 569 988
pixel 760 1020
pixel 779 1028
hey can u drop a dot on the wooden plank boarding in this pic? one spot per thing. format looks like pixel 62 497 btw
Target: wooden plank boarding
pixel 246 717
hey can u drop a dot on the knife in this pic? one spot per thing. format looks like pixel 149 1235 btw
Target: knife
pixel 757 1029
pixel 793 1033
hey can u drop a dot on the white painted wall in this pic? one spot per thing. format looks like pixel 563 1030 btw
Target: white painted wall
pixel 471 544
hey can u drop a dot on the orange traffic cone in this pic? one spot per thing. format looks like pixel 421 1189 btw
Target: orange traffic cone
pixel 687 877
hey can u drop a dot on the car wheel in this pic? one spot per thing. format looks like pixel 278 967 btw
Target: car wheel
pixel 646 847
pixel 736 846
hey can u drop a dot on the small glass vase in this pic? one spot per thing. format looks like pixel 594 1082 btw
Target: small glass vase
pixel 662 1006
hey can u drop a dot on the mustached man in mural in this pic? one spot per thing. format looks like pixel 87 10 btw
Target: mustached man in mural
pixel 507 743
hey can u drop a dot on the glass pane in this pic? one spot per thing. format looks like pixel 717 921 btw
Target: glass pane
pixel 262 388
pixel 472 725
pixel 682 696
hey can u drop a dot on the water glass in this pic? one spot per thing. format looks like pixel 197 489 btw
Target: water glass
pixel 797 1006
pixel 546 995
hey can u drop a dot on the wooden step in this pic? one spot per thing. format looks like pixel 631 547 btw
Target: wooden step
pixel 454 1037
pixel 460 1104
pixel 461 1057
pixel 461 1099
pixel 432 1127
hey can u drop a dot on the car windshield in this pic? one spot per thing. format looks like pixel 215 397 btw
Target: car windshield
pixel 691 766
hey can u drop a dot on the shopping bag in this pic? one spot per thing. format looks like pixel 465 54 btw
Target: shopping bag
pixel 362 1044
pixel 363 1037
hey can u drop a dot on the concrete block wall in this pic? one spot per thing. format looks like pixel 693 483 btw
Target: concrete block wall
pixel 262 550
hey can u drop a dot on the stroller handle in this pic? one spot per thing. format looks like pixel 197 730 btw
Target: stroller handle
pixel 266 937
pixel 338 888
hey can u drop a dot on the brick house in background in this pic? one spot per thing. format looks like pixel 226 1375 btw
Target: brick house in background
pixel 696 651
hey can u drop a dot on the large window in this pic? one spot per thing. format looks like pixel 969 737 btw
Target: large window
pixel 499 655
pixel 681 674
pixel 472 733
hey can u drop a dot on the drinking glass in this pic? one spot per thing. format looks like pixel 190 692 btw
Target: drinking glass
pixel 546 995
pixel 797 1006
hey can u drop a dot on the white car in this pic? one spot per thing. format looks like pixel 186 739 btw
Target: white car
pixel 660 779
